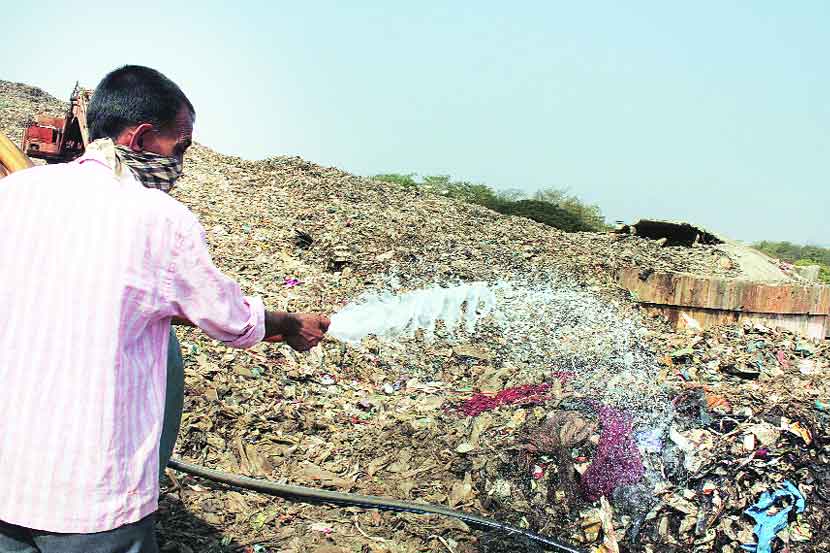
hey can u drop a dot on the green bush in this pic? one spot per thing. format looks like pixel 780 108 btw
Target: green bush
pixel 590 216
pixel 789 252
pixel 546 213
pixel 823 271
pixel 799 255
pixel 553 207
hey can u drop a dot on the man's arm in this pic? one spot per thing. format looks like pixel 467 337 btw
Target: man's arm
pixel 302 331
pixel 200 295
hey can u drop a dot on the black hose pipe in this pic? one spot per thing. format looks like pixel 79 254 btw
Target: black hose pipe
pixel 312 495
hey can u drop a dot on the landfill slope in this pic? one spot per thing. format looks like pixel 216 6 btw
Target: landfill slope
pixel 736 410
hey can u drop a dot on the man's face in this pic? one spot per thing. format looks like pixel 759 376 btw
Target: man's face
pixel 171 142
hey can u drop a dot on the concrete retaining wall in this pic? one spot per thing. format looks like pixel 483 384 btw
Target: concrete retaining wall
pixel 689 300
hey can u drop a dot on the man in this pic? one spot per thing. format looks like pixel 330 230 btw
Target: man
pixel 97 260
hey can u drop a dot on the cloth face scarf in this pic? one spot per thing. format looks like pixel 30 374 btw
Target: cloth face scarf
pixel 151 170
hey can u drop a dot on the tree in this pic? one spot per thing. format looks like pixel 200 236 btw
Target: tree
pixel 548 214
pixel 590 215
pixel 407 181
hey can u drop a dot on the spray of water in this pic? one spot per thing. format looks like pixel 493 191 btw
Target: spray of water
pixel 547 326
pixel 394 317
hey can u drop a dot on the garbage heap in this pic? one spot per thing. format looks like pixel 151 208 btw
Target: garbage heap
pixel 588 418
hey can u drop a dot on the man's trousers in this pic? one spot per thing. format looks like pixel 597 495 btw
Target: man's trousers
pixel 138 537
pixel 173 402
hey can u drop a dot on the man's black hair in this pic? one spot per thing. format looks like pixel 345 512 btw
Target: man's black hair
pixel 131 95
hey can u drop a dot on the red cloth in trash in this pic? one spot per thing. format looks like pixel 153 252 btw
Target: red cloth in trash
pixel 528 393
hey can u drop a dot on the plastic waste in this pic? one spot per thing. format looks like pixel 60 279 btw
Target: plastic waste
pixel 768 524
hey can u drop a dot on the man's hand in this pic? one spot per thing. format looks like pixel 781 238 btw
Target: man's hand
pixel 178 321
pixel 301 331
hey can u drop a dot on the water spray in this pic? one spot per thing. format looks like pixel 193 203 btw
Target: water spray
pixel 401 316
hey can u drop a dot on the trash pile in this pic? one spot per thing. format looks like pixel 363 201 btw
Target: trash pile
pixel 754 401
pixel 566 410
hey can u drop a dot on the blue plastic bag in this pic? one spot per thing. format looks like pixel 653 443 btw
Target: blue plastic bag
pixel 767 525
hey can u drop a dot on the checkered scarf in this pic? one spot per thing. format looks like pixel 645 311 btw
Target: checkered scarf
pixel 151 170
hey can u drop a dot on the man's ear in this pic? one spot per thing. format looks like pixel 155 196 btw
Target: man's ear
pixel 134 138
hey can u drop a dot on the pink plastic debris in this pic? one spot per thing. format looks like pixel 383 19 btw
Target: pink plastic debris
pixel 564 376
pixel 527 394
pixel 617 461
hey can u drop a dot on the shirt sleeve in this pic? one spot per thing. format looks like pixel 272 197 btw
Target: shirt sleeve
pixel 197 291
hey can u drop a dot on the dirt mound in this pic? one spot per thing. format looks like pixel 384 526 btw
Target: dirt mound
pixel 706 422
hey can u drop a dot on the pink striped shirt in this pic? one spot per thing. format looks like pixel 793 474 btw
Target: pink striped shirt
pixel 92 268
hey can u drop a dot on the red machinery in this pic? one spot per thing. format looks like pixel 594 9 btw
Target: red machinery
pixel 59 139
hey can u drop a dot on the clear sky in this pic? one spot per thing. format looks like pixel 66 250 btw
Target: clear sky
pixel 717 112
